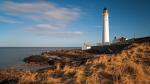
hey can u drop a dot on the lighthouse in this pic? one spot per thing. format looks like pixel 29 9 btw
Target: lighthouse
pixel 105 36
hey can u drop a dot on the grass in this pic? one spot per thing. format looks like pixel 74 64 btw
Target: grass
pixel 131 66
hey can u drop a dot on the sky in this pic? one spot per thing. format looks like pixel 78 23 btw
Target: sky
pixel 69 23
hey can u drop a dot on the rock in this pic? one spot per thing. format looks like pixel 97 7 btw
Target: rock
pixel 73 57
pixel 50 68
pixel 54 57
pixel 37 59
pixel 51 62
pixel 79 61
pixel 57 75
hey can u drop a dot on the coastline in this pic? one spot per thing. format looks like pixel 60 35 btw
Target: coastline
pixel 74 66
pixel 13 56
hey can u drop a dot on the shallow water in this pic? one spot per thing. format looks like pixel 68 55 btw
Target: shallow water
pixel 13 56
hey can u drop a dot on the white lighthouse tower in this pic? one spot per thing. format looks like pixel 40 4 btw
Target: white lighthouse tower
pixel 105 36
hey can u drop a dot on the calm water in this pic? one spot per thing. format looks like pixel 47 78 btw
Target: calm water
pixel 12 56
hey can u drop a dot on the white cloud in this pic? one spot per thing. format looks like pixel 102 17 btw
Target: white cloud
pixel 62 14
pixel 40 10
pixel 14 7
pixel 48 18
pixel 46 27
pixel 61 34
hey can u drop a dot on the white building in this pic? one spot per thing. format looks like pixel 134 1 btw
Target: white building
pixel 105 36
pixel 86 46
pixel 119 40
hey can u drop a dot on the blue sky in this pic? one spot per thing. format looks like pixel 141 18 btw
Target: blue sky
pixel 66 23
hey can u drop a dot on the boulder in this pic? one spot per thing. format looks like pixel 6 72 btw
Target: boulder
pixel 37 59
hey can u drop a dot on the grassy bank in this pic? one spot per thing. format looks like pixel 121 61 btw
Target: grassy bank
pixel 130 66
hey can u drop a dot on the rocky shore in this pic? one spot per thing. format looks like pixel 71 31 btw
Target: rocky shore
pixel 73 57
pixel 131 65
pixel 77 57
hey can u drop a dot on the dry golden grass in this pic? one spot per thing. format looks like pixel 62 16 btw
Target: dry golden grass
pixel 131 66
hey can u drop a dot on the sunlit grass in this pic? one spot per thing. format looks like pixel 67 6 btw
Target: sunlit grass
pixel 131 66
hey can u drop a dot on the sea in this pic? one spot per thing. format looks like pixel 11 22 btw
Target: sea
pixel 13 56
